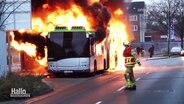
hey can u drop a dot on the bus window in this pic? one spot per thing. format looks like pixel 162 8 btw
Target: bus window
pixel 68 45
pixel 92 49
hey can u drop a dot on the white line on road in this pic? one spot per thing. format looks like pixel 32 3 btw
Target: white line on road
pixel 147 72
pixel 125 86
pixel 138 79
pixel 121 88
pixel 99 102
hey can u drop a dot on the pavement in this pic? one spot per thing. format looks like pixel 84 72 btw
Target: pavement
pixel 160 85
pixel 146 59
pixel 13 102
pixel 156 57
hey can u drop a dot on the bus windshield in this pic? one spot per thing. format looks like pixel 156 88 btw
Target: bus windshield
pixel 67 45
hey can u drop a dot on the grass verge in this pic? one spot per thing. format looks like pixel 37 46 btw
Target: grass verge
pixel 32 84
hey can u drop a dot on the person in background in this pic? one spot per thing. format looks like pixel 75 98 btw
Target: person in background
pixel 138 49
pixel 151 51
pixel 142 51
pixel 130 60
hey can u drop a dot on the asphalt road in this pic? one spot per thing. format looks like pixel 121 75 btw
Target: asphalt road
pixel 158 82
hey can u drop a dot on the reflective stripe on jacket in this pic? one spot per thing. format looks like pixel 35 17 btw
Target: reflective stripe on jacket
pixel 130 56
pixel 130 61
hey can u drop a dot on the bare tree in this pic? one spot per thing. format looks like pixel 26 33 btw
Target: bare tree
pixel 2 7
pixel 161 15
pixel 179 19
pixel 6 8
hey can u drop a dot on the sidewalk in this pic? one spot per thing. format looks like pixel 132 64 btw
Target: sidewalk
pixel 155 57
pixel 13 102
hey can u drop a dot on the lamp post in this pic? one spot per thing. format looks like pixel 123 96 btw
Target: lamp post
pixel 9 53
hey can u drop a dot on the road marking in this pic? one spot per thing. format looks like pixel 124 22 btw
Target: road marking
pixel 121 88
pixel 138 79
pixel 99 102
pixel 147 72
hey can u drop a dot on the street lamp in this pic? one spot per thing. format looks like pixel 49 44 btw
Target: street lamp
pixel 9 52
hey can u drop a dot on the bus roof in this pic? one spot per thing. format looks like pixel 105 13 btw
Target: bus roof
pixel 73 29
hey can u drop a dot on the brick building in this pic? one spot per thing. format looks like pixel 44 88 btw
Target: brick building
pixel 154 36
pixel 137 17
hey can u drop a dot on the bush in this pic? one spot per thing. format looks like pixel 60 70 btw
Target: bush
pixel 32 84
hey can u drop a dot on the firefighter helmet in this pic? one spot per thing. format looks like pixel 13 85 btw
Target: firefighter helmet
pixel 126 43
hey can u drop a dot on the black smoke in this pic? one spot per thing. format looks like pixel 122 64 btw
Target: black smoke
pixel 33 38
pixel 100 12
pixel 100 15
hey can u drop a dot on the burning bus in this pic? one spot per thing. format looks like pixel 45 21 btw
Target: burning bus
pixel 105 22
pixel 76 50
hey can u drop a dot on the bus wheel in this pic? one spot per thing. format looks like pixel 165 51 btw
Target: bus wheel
pixel 57 75
pixel 105 68
pixel 95 68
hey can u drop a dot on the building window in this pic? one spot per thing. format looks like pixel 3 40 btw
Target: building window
pixel 148 38
pixel 163 37
pixel 133 18
pixel 134 28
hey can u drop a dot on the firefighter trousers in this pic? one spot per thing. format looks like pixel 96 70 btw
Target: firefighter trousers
pixel 129 76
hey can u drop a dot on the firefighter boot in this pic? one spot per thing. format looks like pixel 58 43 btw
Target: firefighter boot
pixel 133 87
pixel 128 82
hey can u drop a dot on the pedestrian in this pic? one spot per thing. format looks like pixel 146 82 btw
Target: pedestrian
pixel 151 51
pixel 142 51
pixel 130 60
pixel 138 49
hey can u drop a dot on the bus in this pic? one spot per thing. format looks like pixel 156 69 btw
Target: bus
pixel 75 50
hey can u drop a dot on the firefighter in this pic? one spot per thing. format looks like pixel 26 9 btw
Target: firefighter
pixel 130 60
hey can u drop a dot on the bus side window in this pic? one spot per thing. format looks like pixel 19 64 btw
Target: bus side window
pixel 92 46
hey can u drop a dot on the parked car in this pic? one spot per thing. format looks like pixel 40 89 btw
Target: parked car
pixel 176 51
pixel 182 52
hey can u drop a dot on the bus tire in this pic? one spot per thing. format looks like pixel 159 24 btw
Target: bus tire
pixel 105 66
pixel 95 67
pixel 57 75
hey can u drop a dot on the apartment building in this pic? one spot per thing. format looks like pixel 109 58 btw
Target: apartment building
pixel 137 18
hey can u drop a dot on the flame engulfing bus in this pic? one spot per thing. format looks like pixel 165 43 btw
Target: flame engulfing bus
pixel 75 50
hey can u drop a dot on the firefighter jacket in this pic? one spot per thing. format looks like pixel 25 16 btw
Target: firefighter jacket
pixel 130 56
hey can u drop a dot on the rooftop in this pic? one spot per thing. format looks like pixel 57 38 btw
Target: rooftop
pixel 136 7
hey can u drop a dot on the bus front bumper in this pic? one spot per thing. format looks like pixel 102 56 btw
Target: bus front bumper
pixel 69 71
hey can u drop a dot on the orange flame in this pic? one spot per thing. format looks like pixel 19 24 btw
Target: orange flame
pixel 75 16
pixel 93 1
pixel 72 17
pixel 29 48
pixel 118 34
pixel 118 12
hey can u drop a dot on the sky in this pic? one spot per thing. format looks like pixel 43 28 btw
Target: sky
pixel 147 1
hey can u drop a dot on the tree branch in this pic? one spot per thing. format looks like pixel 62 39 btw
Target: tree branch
pixel 2 23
